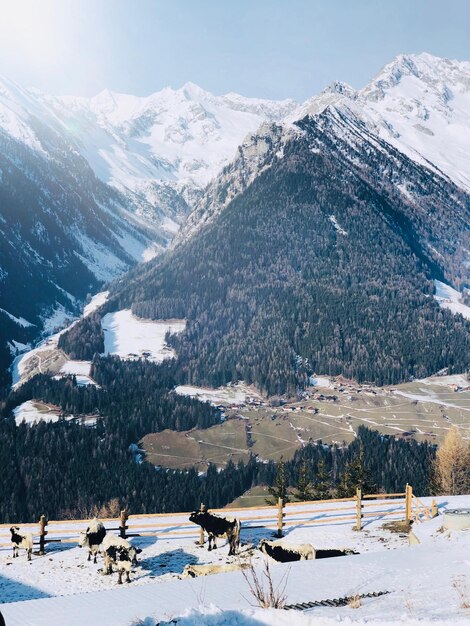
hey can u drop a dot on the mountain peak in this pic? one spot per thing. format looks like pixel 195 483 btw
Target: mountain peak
pixel 193 91
pixel 431 70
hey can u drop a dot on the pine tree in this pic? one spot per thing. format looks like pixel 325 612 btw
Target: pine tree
pixel 355 476
pixel 344 487
pixel 279 489
pixel 322 482
pixel 359 476
pixel 303 491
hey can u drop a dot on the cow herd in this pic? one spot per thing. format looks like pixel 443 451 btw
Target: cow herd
pixel 120 556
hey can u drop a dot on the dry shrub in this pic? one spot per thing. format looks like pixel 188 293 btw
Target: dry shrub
pixel 459 583
pixel 354 602
pixel 262 587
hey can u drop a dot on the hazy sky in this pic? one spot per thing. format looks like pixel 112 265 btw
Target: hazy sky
pixel 265 48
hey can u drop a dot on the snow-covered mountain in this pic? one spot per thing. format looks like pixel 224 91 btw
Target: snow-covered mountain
pixel 91 186
pixel 420 104
pixel 164 147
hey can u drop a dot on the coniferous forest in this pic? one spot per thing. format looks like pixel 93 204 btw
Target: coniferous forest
pixel 317 266
pixel 64 469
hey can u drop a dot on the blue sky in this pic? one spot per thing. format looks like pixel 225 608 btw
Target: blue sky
pixel 265 48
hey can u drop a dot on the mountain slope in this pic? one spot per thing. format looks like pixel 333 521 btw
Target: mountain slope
pixel 170 143
pixel 63 232
pixel 323 262
pixel 420 104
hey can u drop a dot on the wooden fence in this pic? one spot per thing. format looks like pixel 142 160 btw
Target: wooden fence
pixel 360 509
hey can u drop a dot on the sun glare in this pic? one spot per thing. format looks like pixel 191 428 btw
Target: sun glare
pixel 30 30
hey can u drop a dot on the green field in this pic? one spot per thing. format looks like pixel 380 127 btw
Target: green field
pixel 422 410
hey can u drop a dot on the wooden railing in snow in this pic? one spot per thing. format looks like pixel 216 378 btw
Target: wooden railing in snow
pixel 360 509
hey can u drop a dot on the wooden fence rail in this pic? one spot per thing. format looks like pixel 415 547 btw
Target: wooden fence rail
pixel 402 505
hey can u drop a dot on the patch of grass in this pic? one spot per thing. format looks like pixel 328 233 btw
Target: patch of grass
pixel 399 526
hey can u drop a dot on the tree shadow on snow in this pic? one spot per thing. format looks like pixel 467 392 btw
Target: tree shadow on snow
pixel 172 562
pixel 15 591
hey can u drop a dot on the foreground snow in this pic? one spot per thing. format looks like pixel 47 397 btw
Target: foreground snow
pixel 130 337
pixel 421 579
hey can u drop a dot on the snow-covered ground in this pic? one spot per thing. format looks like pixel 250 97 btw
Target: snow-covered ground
pixel 31 361
pixel 130 337
pixel 230 394
pixel 31 411
pixel 64 588
pixel 321 381
pixel 98 300
pixel 449 298
pixel 79 369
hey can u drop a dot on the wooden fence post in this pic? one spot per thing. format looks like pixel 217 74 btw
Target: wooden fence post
pixel 358 509
pixel 203 509
pixel 434 509
pixel 42 534
pixel 280 517
pixel 408 502
pixel 122 523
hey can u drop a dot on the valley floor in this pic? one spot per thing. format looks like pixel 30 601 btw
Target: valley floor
pixel 423 580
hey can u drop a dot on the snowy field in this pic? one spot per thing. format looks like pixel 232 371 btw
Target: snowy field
pixel 130 337
pixel 230 394
pixel 449 298
pixel 62 587
pixel 32 411
pixel 79 369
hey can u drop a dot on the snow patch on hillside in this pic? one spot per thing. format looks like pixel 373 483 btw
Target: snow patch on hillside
pixel 130 337
pixel 449 298
pixel 335 223
pixel 30 412
pixel 98 300
pixel 18 320
pixel 232 394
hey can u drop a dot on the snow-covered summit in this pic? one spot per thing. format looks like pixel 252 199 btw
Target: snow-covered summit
pixel 181 136
pixel 420 103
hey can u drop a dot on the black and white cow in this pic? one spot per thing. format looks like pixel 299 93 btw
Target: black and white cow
pixel 92 538
pixel 285 552
pixel 21 540
pixel 331 552
pixel 120 555
pixel 216 526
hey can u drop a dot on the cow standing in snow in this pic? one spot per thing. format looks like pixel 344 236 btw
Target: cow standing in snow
pixel 119 554
pixel 92 538
pixel 21 540
pixel 216 526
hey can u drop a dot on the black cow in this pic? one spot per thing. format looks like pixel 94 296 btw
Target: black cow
pixel 216 526
pixel 326 554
